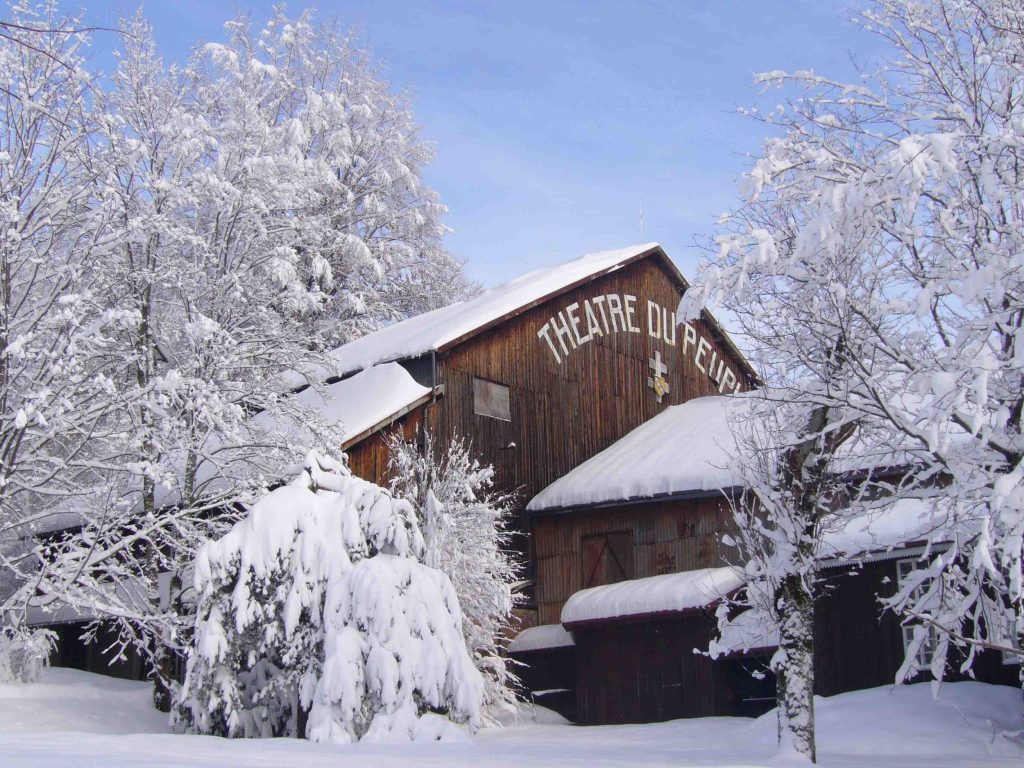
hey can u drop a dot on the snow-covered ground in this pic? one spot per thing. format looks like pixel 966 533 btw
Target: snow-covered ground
pixel 73 718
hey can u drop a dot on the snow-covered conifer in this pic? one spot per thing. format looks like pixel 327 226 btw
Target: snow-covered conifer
pixel 465 527
pixel 315 609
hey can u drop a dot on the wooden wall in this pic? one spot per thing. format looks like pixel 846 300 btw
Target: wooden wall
pixel 369 458
pixel 647 672
pixel 549 677
pixel 861 646
pixel 564 413
pixel 667 537
pixel 71 652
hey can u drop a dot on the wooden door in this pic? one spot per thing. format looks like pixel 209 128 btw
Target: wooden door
pixel 607 558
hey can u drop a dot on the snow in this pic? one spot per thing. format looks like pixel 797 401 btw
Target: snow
pixel 72 700
pixel 89 721
pixel 751 630
pixel 432 330
pixel 541 638
pixel 359 402
pixel 685 448
pixel 654 594
pixel 903 522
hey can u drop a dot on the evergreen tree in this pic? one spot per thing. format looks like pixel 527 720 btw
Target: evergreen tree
pixel 316 618
pixel 466 533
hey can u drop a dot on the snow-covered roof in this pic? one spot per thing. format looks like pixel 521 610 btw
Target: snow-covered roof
pixel 42 610
pixel 359 402
pixel 431 331
pixel 689 448
pixel 354 405
pixel 685 448
pixel 751 630
pixel 888 528
pixel 56 613
pixel 541 638
pixel 654 594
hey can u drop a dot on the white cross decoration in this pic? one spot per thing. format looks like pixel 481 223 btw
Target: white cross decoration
pixel 657 380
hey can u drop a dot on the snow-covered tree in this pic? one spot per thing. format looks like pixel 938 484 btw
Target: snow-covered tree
pixel 911 182
pixel 24 652
pixel 260 203
pixel 317 618
pixel 465 527
pixel 794 494
pixel 349 158
pixel 55 398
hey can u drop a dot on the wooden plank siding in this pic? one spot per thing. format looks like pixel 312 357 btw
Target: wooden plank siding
pixel 647 672
pixel 859 645
pixel 667 537
pixel 563 414
pixel 369 458
pixel 644 669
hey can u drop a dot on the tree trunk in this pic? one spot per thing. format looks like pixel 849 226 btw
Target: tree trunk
pixel 163 662
pixel 794 668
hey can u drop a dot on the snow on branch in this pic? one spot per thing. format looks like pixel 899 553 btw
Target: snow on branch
pixel 315 609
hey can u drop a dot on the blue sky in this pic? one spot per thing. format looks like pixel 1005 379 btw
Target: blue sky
pixel 554 121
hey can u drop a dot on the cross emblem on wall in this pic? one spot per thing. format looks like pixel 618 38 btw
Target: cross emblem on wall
pixel 657 380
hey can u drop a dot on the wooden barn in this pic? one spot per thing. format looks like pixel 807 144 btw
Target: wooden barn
pixel 571 381
pixel 548 370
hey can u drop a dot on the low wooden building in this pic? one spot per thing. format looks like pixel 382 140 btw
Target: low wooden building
pixel 573 382
pixel 635 539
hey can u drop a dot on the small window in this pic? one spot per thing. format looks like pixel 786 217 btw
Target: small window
pixel 491 399
pixel 923 660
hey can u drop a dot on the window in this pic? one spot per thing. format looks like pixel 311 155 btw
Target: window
pixel 607 558
pixel 923 660
pixel 491 399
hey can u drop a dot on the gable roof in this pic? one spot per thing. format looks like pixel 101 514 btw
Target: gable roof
pixel 357 406
pixel 444 328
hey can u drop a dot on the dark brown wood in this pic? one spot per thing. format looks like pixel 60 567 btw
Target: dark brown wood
pixel 644 669
pixel 564 413
pixel 607 558
pixel 655 254
pixel 666 537
pixel 369 459
pixel 642 673
pixel 858 645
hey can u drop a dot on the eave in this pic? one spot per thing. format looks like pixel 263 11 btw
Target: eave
pixel 434 394
pixel 691 495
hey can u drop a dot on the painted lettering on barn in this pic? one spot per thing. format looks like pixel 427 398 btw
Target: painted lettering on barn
pixel 581 322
